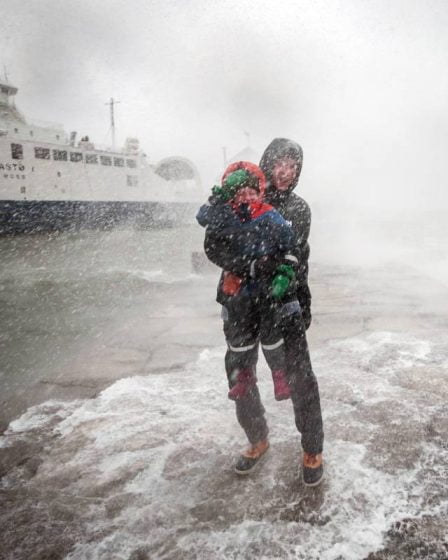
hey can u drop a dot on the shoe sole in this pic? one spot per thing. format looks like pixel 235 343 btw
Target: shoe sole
pixel 313 484
pixel 248 471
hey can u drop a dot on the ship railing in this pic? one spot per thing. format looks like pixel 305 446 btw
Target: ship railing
pixel 104 148
pixel 109 149
pixel 46 124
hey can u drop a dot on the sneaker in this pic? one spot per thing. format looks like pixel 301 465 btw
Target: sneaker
pixel 245 380
pixel 247 460
pixel 281 385
pixel 313 470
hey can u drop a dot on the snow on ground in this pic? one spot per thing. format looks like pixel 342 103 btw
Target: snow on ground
pixel 145 469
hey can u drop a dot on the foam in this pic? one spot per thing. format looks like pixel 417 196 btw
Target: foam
pixel 161 275
pixel 157 451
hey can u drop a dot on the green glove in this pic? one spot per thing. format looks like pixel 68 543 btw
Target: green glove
pixel 233 182
pixel 219 192
pixel 284 275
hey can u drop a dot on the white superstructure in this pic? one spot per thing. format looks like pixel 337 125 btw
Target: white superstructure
pixel 41 163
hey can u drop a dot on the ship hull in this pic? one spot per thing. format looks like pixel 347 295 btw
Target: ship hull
pixel 30 216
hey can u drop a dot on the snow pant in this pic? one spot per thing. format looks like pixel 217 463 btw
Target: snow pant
pixel 281 331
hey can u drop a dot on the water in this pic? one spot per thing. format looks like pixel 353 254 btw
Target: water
pixel 142 468
pixel 70 295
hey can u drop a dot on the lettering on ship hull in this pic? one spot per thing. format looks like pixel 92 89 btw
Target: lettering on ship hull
pixel 12 176
pixel 12 166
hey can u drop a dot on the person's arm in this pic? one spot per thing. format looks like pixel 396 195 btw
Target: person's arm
pixel 218 249
pixel 223 227
pixel 301 223
pixel 299 214
pixel 279 263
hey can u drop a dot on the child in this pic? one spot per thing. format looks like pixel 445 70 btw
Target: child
pixel 253 245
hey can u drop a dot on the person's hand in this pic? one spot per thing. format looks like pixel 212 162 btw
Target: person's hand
pixel 230 186
pixel 219 194
pixel 284 276
pixel 217 197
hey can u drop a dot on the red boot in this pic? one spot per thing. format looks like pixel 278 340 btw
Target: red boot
pixel 281 386
pixel 245 380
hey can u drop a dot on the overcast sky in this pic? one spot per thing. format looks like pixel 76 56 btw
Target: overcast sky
pixel 361 84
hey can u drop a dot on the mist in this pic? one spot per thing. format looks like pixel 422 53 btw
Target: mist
pixel 361 85
pixel 116 435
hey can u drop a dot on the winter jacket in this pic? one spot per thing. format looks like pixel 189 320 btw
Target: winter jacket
pixel 249 240
pixel 294 210
pixel 237 240
pixel 244 238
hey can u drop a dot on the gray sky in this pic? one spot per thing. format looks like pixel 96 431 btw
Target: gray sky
pixel 362 85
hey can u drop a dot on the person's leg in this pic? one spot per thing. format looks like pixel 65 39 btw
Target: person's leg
pixel 241 328
pixel 302 381
pixel 304 391
pixel 272 344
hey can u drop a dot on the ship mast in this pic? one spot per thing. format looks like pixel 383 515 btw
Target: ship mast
pixel 111 103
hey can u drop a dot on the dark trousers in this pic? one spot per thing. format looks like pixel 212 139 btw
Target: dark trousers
pixel 281 331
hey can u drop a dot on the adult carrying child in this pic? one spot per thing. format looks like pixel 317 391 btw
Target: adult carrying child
pixel 258 253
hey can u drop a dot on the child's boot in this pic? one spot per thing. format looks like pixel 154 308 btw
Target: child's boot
pixel 245 380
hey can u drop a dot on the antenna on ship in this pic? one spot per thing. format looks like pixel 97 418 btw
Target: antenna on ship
pixel 111 103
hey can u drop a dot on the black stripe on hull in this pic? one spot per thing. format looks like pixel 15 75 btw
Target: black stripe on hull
pixel 28 216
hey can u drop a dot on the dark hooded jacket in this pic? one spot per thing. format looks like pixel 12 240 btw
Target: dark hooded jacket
pixel 293 208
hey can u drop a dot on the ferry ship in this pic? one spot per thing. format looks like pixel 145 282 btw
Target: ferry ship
pixel 49 181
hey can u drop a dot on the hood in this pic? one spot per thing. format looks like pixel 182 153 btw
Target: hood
pixel 251 168
pixel 277 149
pixel 247 212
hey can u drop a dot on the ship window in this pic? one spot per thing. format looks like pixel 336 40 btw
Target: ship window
pixel 75 156
pixel 41 153
pixel 91 158
pixel 17 151
pixel 31 133
pixel 132 180
pixel 118 162
pixel 131 163
pixel 4 90
pixel 106 160
pixel 22 190
pixel 60 155
pixel 16 130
